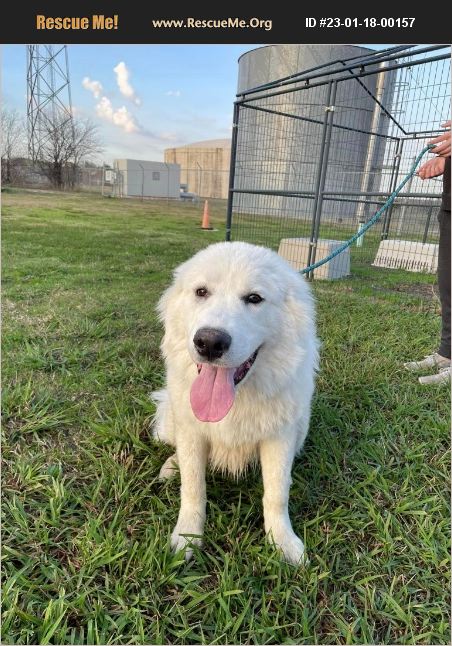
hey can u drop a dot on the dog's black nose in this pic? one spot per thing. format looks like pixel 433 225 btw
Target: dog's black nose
pixel 211 343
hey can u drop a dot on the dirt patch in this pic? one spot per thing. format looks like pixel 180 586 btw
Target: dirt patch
pixel 17 315
pixel 425 292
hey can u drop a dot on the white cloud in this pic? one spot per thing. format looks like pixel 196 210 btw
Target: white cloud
pixel 120 117
pixel 125 120
pixel 173 93
pixel 122 79
pixel 93 86
pixel 104 109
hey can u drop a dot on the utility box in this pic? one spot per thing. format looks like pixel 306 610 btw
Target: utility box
pixel 296 252
pixel 140 178
pixel 110 176
pixel 405 254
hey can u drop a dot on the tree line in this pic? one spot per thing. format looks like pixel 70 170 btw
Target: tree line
pixel 64 145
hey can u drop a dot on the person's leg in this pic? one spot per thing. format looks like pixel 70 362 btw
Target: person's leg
pixel 443 354
pixel 444 281
pixel 440 360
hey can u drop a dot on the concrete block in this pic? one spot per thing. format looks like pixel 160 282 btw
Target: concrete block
pixel 405 254
pixel 296 251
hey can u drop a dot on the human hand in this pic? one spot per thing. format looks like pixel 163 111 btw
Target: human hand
pixel 442 143
pixel 433 168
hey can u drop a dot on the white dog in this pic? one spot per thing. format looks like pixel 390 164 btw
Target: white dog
pixel 241 352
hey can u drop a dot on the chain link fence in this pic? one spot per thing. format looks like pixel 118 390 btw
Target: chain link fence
pixel 201 183
pixel 23 173
pixel 196 184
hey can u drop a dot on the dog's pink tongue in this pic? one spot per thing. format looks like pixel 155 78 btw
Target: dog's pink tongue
pixel 212 393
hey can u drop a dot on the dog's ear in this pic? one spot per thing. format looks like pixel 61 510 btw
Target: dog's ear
pixel 168 309
pixel 299 304
pixel 168 303
pixel 164 302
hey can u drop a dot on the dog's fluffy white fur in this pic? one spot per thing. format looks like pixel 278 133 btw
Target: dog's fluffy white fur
pixel 269 418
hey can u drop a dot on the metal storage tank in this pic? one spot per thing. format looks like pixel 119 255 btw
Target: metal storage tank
pixel 204 166
pixel 276 153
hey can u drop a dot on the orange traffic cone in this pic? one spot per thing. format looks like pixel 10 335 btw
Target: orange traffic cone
pixel 206 218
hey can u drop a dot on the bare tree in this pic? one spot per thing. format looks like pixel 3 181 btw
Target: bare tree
pixel 64 146
pixel 86 142
pixel 12 141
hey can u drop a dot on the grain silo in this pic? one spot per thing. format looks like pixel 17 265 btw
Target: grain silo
pixel 279 138
pixel 204 166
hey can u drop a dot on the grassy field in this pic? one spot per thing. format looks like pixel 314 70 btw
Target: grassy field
pixel 86 523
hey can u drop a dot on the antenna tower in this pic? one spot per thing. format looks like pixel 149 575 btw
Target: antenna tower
pixel 49 105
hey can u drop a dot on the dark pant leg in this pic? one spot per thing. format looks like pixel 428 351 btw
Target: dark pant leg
pixel 444 280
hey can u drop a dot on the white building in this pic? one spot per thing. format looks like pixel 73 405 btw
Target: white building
pixel 140 178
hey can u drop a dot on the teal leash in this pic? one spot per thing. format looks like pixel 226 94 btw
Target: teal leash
pixel 373 219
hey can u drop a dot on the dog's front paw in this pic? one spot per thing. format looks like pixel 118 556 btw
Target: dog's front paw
pixel 184 536
pixel 290 545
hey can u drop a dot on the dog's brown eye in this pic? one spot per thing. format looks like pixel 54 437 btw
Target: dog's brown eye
pixel 253 298
pixel 202 292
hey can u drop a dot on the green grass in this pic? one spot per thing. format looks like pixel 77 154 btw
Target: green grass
pixel 86 522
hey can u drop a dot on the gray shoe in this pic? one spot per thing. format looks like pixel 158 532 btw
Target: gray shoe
pixel 431 361
pixel 442 377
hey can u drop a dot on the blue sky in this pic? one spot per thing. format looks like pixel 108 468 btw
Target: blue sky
pixel 162 96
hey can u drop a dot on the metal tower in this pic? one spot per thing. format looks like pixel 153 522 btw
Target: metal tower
pixel 49 105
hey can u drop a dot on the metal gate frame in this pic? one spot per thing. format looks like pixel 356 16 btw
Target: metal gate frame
pixel 357 68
